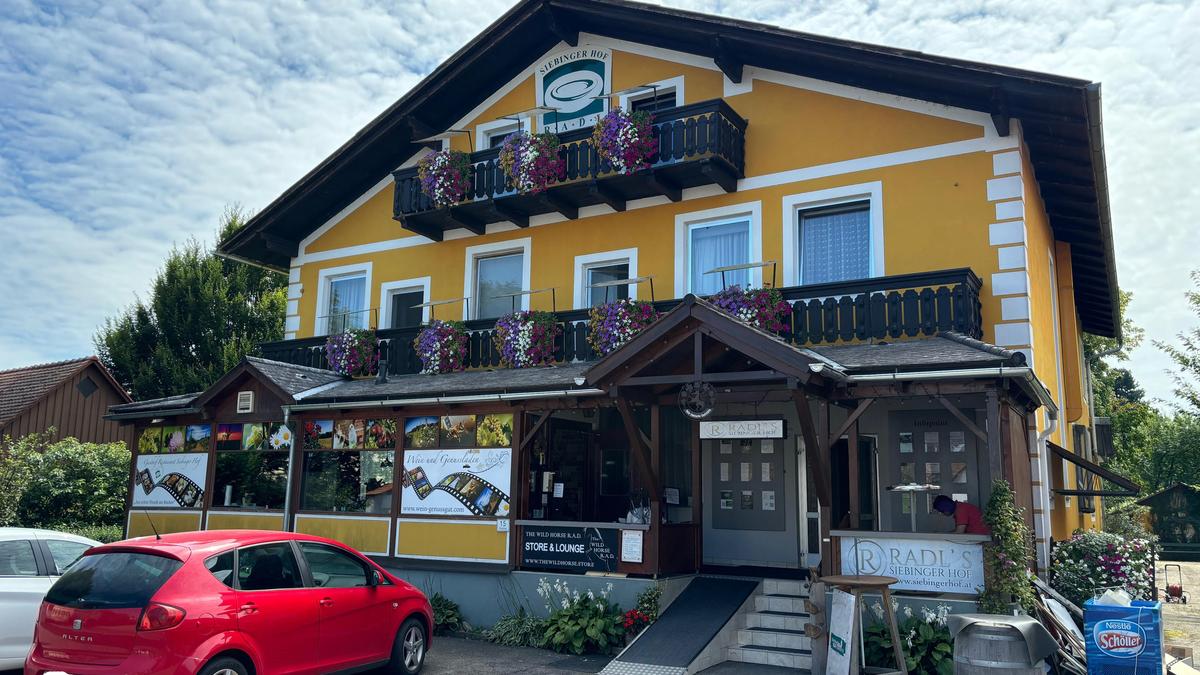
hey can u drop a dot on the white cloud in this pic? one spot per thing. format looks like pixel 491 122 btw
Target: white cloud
pixel 125 127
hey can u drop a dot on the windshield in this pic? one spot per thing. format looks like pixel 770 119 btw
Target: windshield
pixel 112 580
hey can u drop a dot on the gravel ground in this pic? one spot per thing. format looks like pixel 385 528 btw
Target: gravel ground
pixel 457 655
pixel 1181 622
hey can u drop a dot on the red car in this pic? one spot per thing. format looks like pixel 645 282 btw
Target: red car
pixel 229 602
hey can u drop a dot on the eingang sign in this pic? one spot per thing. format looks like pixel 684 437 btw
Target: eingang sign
pixel 576 83
pixel 931 564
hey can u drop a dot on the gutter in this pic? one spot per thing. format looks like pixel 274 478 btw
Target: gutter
pixel 1100 176
pixel 441 400
pixel 1023 373
pixel 247 261
pixel 171 412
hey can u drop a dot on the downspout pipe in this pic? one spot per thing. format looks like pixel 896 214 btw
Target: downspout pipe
pixel 1043 549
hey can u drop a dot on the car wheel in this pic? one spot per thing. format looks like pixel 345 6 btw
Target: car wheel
pixel 224 666
pixel 408 653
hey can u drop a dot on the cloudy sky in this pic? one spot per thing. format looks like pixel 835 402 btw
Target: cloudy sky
pixel 125 127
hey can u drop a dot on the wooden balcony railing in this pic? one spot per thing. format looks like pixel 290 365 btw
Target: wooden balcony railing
pixel 906 305
pixel 698 144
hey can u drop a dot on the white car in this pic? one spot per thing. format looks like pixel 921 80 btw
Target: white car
pixel 30 562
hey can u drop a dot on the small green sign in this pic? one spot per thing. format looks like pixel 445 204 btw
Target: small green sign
pixel 837 644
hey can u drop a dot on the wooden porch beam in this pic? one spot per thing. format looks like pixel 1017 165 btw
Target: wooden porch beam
pixel 533 430
pixel 507 212
pixel 562 206
pixel 817 455
pixel 606 194
pixel 560 29
pixel 431 233
pixel 742 376
pixel 850 420
pixel 638 448
pixel 961 417
pixel 724 58
pixel 465 220
pixel 719 174
pixel 995 452
pixel 665 186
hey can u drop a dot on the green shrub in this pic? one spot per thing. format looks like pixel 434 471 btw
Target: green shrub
pixel 1128 521
pixel 925 641
pixel 15 471
pixel 581 623
pixel 447 618
pixel 105 534
pixel 518 630
pixel 62 482
pixel 647 601
pixel 1090 561
pixel 1006 559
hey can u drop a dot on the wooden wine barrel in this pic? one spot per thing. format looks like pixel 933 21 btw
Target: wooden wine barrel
pixel 992 650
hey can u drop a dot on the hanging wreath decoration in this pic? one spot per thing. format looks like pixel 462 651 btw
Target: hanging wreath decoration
pixel 526 338
pixel 614 323
pixel 442 347
pixel 625 140
pixel 531 161
pixel 445 176
pixel 763 308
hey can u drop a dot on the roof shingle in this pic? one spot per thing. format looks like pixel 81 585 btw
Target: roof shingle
pixel 21 387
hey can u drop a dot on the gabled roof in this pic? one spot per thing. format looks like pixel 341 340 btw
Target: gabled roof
pixel 1178 487
pixel 21 388
pixel 1060 119
pixel 179 404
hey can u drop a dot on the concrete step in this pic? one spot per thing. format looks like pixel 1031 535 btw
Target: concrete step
pixel 790 604
pixel 798 659
pixel 785 587
pixel 777 620
pixel 766 637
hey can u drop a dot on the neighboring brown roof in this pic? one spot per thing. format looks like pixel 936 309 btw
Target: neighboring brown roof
pixel 20 388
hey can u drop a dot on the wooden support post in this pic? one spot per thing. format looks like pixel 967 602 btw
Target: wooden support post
pixel 851 420
pixel 852 473
pixel 637 448
pixel 961 417
pixel 656 507
pixel 818 461
pixel 697 491
pixel 995 454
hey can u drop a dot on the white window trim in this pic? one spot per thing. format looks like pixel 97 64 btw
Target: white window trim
pixel 793 204
pixel 523 245
pixel 324 277
pixel 484 131
pixel 686 222
pixel 583 262
pixel 674 83
pixel 387 288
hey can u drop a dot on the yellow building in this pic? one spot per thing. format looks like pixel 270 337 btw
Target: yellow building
pixel 950 215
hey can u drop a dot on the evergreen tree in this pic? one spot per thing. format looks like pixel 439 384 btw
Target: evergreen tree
pixel 1186 355
pixel 203 314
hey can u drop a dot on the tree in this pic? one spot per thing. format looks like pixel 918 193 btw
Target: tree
pixel 1186 354
pixel 204 313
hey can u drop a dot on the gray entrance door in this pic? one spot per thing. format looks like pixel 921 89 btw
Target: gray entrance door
pixel 930 446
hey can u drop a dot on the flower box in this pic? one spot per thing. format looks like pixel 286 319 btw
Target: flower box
pixel 625 140
pixel 442 347
pixel 445 176
pixel 531 161
pixel 353 353
pixel 763 308
pixel 526 339
pixel 615 323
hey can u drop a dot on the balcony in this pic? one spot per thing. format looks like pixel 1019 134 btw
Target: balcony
pixel 883 308
pixel 699 144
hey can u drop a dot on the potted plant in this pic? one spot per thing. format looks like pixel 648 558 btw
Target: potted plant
pixel 354 353
pixel 445 176
pixel 615 323
pixel 1006 559
pixel 442 347
pixel 526 338
pixel 531 161
pixel 625 140
pixel 763 308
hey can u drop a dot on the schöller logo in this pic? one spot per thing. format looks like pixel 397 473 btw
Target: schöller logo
pixel 1119 639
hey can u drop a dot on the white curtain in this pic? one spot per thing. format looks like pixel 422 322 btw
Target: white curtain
pixel 835 246
pixel 715 246
pixel 347 302
pixel 497 276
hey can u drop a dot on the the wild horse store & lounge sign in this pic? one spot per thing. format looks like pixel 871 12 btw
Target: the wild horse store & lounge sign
pixel 575 83
pixel 569 548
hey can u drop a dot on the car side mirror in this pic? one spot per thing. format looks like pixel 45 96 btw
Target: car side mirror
pixel 376 578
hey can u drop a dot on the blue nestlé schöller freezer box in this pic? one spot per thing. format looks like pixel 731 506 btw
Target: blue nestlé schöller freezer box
pixel 1123 640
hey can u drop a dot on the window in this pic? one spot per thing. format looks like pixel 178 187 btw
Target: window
pixel 714 245
pixel 835 243
pixel 653 102
pixel 495 277
pixel 496 138
pixel 252 473
pixel 331 568
pixel 86 387
pixel 16 559
pixel 404 312
pixel 603 272
pixel 221 567
pixel 347 303
pixel 64 553
pixel 117 580
pixel 353 470
pixel 268 567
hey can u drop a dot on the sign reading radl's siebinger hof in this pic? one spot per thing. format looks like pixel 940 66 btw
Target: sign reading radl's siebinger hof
pixel 742 429
pixel 575 83
pixel 569 548
pixel 919 564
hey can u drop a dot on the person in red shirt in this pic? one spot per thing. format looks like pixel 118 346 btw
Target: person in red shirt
pixel 968 519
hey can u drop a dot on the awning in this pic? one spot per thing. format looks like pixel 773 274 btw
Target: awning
pixel 1131 488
